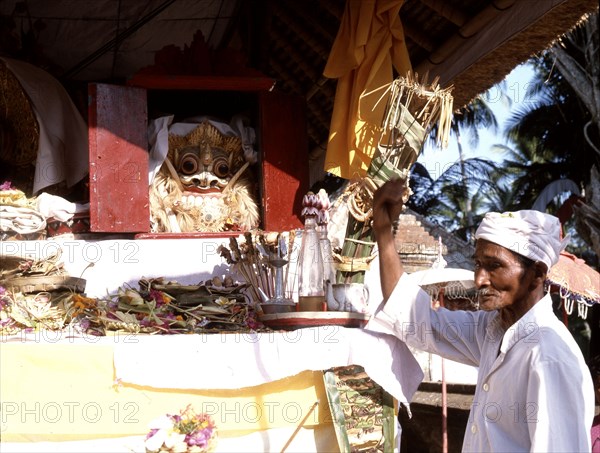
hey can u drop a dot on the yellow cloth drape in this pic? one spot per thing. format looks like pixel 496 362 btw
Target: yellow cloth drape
pixel 369 43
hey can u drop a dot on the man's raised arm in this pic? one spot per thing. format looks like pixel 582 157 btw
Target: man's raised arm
pixel 387 206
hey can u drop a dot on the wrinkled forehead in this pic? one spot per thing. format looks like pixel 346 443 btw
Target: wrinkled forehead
pixel 485 249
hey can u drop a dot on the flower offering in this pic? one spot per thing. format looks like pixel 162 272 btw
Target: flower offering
pixel 186 432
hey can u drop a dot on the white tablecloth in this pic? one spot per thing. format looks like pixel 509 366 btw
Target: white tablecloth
pixel 231 361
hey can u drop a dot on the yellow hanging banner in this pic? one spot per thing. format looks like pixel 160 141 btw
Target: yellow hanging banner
pixel 369 45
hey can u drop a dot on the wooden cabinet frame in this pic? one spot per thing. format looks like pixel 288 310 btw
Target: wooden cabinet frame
pixel 118 146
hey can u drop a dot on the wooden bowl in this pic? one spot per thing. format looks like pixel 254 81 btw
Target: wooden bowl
pixel 270 308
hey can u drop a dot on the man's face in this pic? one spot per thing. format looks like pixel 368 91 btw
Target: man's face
pixel 500 277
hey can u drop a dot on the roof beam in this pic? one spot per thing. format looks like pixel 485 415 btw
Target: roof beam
pixel 491 21
pixel 423 40
pixel 444 9
pixel 509 39
pixel 489 13
pixel 468 30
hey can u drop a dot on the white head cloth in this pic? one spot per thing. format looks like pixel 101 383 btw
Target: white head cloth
pixel 533 234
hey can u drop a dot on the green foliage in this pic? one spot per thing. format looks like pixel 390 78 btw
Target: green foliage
pixel 445 199
pixel 546 143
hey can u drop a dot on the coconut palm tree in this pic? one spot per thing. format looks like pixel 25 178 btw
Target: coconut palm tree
pixel 463 188
pixel 529 167
pixel 456 195
pixel 476 114
pixel 578 60
pixel 556 135
pixel 577 57
pixel 551 133
pixel 501 197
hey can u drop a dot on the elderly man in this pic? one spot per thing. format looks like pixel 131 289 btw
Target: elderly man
pixel 534 390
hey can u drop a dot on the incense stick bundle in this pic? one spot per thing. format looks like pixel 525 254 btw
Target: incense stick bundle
pixel 251 256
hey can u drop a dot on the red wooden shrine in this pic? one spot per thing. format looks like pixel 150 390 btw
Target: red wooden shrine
pixel 118 119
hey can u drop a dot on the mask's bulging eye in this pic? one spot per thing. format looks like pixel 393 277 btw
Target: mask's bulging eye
pixel 221 167
pixel 188 164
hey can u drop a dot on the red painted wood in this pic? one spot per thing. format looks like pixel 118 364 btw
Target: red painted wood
pixel 285 174
pixel 119 157
pixel 196 235
pixel 217 83
pixel 118 147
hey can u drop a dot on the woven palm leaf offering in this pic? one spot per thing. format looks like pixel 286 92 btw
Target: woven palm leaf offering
pixel 161 306
pixel 413 108
pixel 37 294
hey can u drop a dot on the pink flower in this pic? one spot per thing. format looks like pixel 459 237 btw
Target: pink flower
pixel 177 432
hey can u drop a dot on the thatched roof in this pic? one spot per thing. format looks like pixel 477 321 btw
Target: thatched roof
pixel 532 39
pixel 471 44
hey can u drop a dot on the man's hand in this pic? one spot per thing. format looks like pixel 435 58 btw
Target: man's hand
pixel 388 202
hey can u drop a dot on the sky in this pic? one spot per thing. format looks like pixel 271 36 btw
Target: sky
pixel 436 160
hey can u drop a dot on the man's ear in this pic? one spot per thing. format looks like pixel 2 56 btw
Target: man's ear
pixel 541 270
